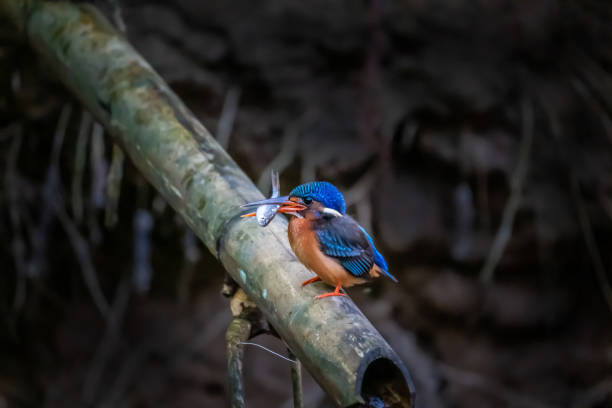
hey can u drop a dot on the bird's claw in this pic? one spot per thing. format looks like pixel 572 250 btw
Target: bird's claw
pixel 311 280
pixel 329 295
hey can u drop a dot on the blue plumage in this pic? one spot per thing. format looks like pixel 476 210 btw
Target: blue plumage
pixel 338 241
pixel 336 246
pixel 378 258
pixel 323 192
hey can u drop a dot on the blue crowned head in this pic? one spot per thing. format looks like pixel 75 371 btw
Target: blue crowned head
pixel 323 192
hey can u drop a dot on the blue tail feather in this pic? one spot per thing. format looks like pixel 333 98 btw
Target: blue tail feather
pixel 378 258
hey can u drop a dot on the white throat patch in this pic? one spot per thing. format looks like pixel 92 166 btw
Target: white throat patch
pixel 332 212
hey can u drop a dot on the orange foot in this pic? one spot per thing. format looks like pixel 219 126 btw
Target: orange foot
pixel 336 292
pixel 311 280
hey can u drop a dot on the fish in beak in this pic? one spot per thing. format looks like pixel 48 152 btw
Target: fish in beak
pixel 282 204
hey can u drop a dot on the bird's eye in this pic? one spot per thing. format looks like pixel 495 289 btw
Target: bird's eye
pixel 307 200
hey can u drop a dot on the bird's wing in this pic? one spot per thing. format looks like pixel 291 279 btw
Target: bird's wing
pixel 342 238
pixel 378 258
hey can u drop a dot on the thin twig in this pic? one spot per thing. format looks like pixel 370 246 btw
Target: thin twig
pixel 463 202
pixel 581 211
pixel 191 255
pixel 113 186
pixel 364 214
pixel 50 196
pixel 308 172
pixel 590 99
pixel 269 351
pixel 16 82
pixel 13 196
pixel 115 174
pixel 282 160
pixel 228 116
pixel 359 195
pixel 296 380
pixel 142 271
pixel 126 373
pixel 79 166
pixel 107 344
pixel 361 189
pixel 54 206
pixel 483 199
pixel 81 250
pixel 597 79
pixel 117 16
pixel 202 339
pixel 516 190
pixel 98 166
pixel 589 239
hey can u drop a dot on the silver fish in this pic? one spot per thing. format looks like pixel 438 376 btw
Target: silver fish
pixel 266 213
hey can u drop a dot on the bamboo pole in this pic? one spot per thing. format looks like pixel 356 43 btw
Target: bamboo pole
pixel 332 338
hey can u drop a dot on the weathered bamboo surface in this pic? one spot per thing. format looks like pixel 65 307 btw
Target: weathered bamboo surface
pixel 180 158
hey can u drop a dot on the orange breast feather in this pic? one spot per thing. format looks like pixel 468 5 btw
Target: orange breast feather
pixel 304 243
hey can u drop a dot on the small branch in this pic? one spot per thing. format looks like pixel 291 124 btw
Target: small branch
pixel 228 116
pixel 113 186
pixel 107 344
pixel 191 254
pixel 589 239
pixel 238 331
pixel 248 322
pixel 79 166
pixel 117 16
pixel 483 199
pixel 581 211
pixel 591 100
pixel 81 249
pixel 143 271
pixel 592 81
pixel 282 160
pixel 98 166
pixel 13 197
pixel 115 174
pixel 364 214
pixel 308 172
pixel 126 372
pixel 359 196
pixel 361 189
pixel 296 380
pixel 50 196
pixel 518 178
pixel 53 205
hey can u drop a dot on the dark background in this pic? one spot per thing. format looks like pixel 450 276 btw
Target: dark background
pixel 418 110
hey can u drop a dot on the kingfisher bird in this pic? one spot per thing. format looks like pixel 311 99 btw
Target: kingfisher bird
pixel 327 240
